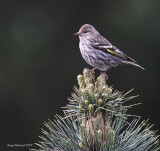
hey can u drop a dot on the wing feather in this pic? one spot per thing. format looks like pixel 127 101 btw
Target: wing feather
pixel 105 46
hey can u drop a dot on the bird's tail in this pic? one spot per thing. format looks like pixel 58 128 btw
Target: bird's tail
pixel 133 63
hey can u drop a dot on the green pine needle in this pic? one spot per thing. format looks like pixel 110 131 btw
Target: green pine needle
pixel 96 120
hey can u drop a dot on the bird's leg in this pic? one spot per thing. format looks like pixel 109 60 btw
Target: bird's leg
pixel 93 69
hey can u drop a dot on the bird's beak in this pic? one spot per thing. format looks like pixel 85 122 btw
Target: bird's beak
pixel 77 34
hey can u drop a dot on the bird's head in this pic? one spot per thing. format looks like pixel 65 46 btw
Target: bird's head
pixel 86 31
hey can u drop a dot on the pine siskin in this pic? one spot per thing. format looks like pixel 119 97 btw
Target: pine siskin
pixel 99 52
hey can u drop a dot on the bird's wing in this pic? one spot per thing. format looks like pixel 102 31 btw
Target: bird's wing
pixel 105 46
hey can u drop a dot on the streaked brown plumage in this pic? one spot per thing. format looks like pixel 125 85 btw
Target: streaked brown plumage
pixel 99 52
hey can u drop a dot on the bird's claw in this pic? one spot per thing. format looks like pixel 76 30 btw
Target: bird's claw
pixel 105 74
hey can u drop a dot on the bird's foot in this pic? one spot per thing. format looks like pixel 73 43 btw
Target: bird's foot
pixel 105 74
pixel 87 69
pixel 91 70
pixel 92 73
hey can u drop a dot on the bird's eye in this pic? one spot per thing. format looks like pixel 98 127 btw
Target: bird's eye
pixel 86 31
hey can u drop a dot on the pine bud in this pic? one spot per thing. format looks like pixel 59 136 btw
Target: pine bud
pixel 83 98
pixel 105 95
pixel 110 90
pixel 87 81
pixel 86 73
pixel 90 88
pixel 96 84
pixel 80 107
pixel 83 90
pixel 112 133
pixel 80 79
pixel 91 108
pixel 102 80
pixel 104 87
pixel 82 125
pixel 100 102
pixel 96 96
pixel 99 134
pixel 86 102
pixel 81 145
pixel 112 136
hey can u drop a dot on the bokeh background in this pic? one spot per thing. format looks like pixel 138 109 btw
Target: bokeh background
pixel 40 59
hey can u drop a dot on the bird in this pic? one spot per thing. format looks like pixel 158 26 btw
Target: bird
pixel 98 52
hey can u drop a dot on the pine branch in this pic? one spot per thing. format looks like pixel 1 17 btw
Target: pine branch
pixel 96 120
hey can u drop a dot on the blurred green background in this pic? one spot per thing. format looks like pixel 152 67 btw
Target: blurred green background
pixel 40 59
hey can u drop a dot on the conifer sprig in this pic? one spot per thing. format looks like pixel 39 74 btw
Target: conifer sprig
pixel 93 96
pixel 96 119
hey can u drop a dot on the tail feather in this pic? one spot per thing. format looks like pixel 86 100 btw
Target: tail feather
pixel 134 64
